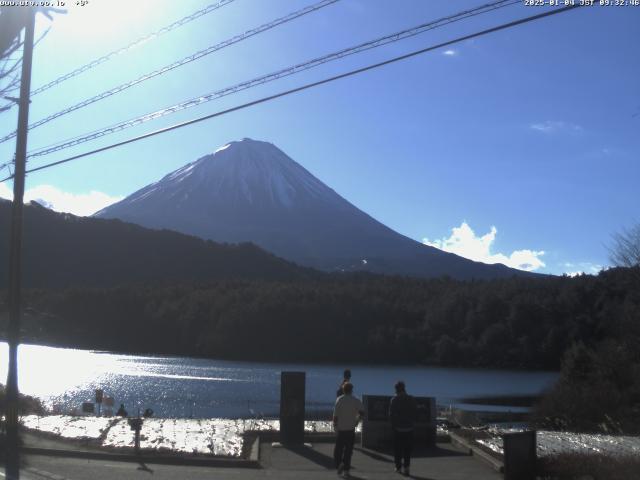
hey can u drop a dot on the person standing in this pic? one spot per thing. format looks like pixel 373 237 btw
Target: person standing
pixel 346 377
pixel 402 413
pixel 121 411
pixel 346 414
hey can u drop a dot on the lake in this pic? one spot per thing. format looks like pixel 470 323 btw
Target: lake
pixel 203 388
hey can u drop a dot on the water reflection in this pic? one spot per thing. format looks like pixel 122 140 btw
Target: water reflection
pixel 48 371
pixel 200 388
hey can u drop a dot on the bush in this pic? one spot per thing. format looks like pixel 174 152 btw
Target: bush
pixel 27 405
pixel 598 391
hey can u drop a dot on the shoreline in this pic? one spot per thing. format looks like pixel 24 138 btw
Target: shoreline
pixel 232 438
pixel 340 364
pixel 215 437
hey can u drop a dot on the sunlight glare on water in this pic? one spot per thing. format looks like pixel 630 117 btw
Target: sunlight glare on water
pixel 48 371
pixel 186 387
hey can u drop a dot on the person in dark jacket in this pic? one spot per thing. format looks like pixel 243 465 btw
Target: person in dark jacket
pixel 346 377
pixel 403 412
pixel 121 411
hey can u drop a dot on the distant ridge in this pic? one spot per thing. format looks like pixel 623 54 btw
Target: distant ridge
pixel 61 250
pixel 251 191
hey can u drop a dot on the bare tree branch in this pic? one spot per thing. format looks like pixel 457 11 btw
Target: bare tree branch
pixel 7 69
pixel 625 248
pixel 11 24
pixel 10 67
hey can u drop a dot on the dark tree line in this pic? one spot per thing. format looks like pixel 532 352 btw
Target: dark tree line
pixel 518 322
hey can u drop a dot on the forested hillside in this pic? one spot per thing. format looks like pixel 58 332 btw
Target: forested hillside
pixel 62 250
pixel 521 322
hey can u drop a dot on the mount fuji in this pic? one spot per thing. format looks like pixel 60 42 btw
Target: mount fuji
pixel 251 191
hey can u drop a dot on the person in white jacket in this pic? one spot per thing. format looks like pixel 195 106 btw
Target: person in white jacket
pixel 347 413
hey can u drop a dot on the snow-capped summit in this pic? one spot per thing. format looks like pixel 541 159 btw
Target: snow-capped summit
pixel 251 191
pixel 248 171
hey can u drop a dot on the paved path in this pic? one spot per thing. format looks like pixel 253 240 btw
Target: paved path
pixel 443 463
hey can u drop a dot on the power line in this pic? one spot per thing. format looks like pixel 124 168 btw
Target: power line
pixel 306 87
pixel 7 165
pixel 196 56
pixel 208 9
pixel 410 32
pixel 153 35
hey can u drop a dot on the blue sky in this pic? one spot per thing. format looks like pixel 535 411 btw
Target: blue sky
pixel 521 146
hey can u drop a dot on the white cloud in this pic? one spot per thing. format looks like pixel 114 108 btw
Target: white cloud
pixel 450 52
pixel 556 126
pixel 581 268
pixel 81 204
pixel 464 242
pixel 5 192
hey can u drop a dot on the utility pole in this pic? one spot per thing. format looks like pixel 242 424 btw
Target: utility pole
pixel 12 465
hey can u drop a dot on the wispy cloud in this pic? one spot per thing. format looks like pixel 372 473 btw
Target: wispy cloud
pixel 450 52
pixel 81 204
pixel 556 126
pixel 464 242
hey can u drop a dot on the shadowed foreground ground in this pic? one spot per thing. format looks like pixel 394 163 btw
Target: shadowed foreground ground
pixel 443 463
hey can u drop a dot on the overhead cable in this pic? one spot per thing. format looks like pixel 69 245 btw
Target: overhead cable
pixel 306 87
pixel 179 23
pixel 74 73
pixel 7 165
pixel 273 76
pixel 179 63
